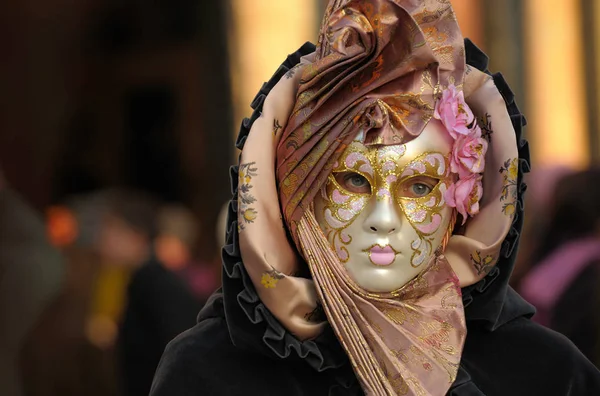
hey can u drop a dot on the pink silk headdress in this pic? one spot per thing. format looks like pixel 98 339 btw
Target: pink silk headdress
pixel 381 67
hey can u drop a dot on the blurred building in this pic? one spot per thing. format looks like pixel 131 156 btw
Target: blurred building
pixel 100 93
pixel 107 93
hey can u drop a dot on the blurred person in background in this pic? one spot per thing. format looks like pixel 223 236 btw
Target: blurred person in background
pixel 564 281
pixel 175 247
pixel 541 183
pixel 31 274
pixel 105 236
pixel 163 298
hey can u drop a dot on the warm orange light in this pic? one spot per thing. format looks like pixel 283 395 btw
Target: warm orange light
pixel 264 32
pixel 61 226
pixel 556 106
pixel 596 79
pixel 470 16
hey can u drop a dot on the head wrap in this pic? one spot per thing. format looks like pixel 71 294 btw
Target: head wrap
pixel 380 67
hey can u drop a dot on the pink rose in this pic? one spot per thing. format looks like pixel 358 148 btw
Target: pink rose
pixel 454 112
pixel 468 154
pixel 464 195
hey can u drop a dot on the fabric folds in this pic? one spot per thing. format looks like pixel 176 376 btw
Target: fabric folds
pixel 247 317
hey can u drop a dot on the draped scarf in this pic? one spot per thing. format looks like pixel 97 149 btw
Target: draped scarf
pixel 379 66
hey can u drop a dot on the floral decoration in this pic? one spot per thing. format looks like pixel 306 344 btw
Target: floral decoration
pixel 467 160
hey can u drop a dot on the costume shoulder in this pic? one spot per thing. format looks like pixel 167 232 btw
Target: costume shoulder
pixel 203 361
pixel 524 358
pixel 581 322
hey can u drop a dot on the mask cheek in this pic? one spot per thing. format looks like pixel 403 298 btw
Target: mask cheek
pixel 430 218
pixel 335 211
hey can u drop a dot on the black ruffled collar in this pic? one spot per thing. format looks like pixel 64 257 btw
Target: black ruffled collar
pixel 489 303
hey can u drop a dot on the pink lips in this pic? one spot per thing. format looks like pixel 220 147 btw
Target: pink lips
pixel 382 255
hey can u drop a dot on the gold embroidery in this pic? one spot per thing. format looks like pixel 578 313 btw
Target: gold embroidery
pixel 289 184
pixel 445 54
pixel 248 214
pixel 426 16
pixel 396 381
pixel 306 130
pixel 434 37
pixel 270 278
pixel 400 314
pixel 482 265
pixel 510 173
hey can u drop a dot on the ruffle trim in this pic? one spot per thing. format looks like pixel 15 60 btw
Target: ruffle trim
pixel 494 285
pixel 247 317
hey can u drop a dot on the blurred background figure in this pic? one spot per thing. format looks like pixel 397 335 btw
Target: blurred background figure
pixel 133 282
pixel 163 299
pixel 31 274
pixel 175 247
pixel 564 280
pixel 541 183
pixel 105 236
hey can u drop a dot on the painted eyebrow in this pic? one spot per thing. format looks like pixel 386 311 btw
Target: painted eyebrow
pixel 430 170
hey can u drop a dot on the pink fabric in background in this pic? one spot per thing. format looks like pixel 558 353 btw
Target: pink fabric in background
pixel 547 282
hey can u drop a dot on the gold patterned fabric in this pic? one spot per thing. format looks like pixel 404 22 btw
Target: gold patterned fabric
pixel 379 66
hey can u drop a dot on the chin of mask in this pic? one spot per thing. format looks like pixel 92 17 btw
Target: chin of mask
pixel 383 210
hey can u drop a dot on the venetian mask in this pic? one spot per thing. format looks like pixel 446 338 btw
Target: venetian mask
pixel 383 209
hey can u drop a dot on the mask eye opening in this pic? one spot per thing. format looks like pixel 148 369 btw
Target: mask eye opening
pixel 416 187
pixel 353 182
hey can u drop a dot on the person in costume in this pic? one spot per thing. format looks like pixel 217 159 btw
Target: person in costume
pixel 374 225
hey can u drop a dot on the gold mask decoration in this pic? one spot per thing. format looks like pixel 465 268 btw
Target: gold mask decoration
pixel 383 209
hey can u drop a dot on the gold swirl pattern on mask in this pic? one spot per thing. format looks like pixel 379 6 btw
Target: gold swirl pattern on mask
pixel 424 213
pixel 386 161
pixel 343 207
pixel 380 166
pixel 356 158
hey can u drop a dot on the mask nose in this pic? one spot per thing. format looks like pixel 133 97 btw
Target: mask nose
pixel 383 218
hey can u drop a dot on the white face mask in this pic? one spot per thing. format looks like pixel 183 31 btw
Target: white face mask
pixel 383 210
